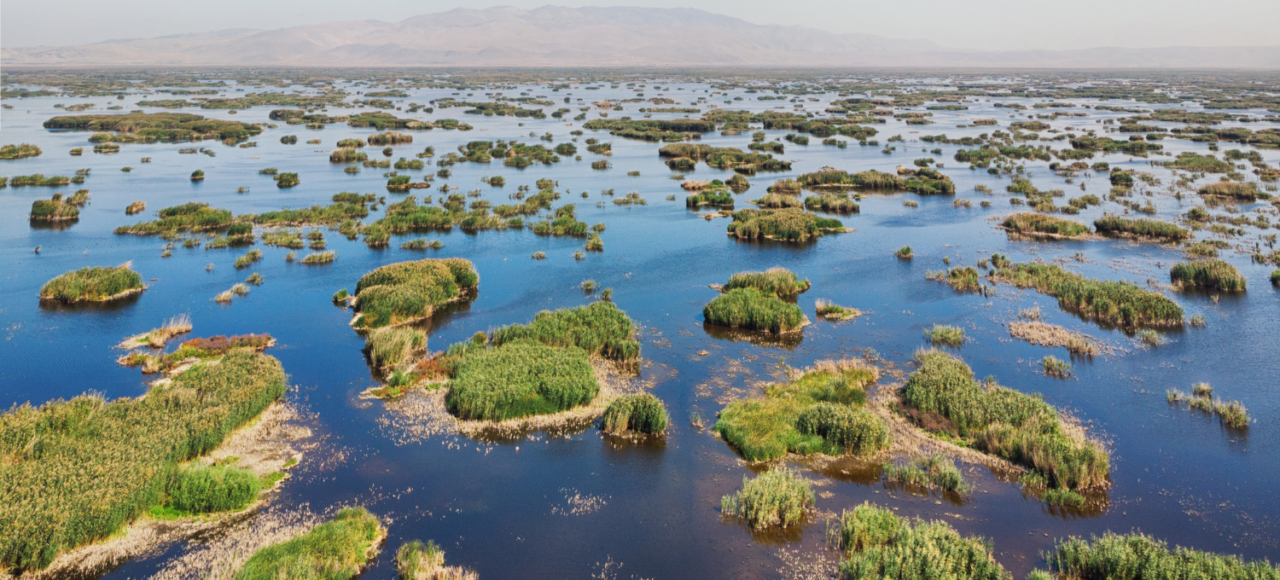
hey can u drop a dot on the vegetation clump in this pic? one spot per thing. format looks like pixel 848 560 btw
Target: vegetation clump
pixel 1113 302
pixel 93 284
pixel 788 225
pixel 1142 228
pixel 780 498
pixel 189 217
pixel 942 396
pixel 1232 189
pixel 833 311
pixel 139 127
pixel 1040 225
pixel 418 561
pixel 408 291
pixel 818 412
pixel 777 281
pixel 934 471
pixel 19 151
pixel 55 209
pixel 1138 556
pixel 870 180
pixel 751 309
pixel 520 379
pixel 100 464
pixel 879 544
pixel 1213 274
pixel 643 413
pixel 337 549
pixel 946 335
pixel 599 328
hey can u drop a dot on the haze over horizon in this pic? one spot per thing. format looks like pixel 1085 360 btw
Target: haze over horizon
pixel 993 25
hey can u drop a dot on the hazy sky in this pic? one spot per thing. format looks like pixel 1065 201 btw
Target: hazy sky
pixel 981 24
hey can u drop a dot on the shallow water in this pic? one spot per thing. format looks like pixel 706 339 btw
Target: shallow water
pixel 499 507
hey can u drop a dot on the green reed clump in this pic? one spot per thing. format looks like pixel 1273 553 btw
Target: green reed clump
pixel 879 545
pixel 54 209
pixel 1214 274
pixel 1232 189
pixel 99 465
pixel 943 395
pixel 406 291
pixel 1035 223
pixel 831 203
pixel 93 284
pixel 906 253
pixel 1137 556
pixel 1056 367
pixel 946 335
pixel 936 470
pixel 19 151
pixel 1143 228
pixel 868 180
pixel 520 379
pixel 963 278
pixel 750 309
pixel 189 217
pixel 776 498
pixel 207 489
pixel 418 561
pixel 390 346
pixel 334 550
pixel 1063 497
pixel 1109 301
pixel 777 281
pixel 817 413
pixel 643 413
pixel 789 225
pixel 600 327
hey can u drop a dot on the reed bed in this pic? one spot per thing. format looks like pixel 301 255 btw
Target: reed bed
pixel 599 328
pixel 777 281
pixel 318 258
pixel 877 544
pixel 943 396
pixel 157 337
pixel 751 309
pixel 1121 303
pixel 338 549
pixel 819 412
pixel 102 464
pixel 831 203
pixel 833 311
pixel 1212 274
pixel 1141 228
pixel 1045 334
pixel 54 209
pixel 388 347
pixel 641 413
pixel 520 379
pixel 1035 224
pixel 93 284
pixel 407 291
pixel 934 471
pixel 190 217
pixel 777 498
pixel 418 561
pixel 1056 367
pixel 789 225
pixel 1137 556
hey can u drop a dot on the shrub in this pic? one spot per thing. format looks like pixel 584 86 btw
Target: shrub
pixel 750 309
pixel 95 284
pixel 335 550
pixel 1138 556
pixel 1214 274
pixel 768 427
pixel 100 465
pixel 520 379
pixel 642 413
pixel 406 291
pixel 777 281
pixel 775 498
pixel 883 546
pixel 206 489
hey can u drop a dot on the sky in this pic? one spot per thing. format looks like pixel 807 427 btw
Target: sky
pixel 976 24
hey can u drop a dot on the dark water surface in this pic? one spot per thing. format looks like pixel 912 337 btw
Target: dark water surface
pixel 497 506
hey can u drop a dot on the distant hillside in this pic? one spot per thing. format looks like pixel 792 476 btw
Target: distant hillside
pixel 593 36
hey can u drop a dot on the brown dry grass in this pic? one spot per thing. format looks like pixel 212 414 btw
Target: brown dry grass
pixel 1045 334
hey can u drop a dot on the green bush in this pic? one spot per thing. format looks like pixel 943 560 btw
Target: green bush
pixel 879 545
pixel 642 413
pixel 95 283
pixel 206 489
pixel 1214 274
pixel 775 498
pixel 750 309
pixel 1139 557
pixel 335 550
pixel 520 379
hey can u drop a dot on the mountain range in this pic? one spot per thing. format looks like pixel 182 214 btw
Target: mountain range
pixel 554 36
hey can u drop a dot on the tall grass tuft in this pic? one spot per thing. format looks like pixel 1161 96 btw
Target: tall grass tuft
pixel 751 309
pixel 418 561
pixel 519 379
pixel 206 489
pixel 776 498
pixel 945 335
pixel 1109 301
pixel 388 347
pixel 882 546
pixel 1138 556
pixel 1214 274
pixel 936 470
pixel 778 281
pixel 643 413
pixel 335 550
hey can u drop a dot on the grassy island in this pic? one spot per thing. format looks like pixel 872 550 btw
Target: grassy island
pixel 872 180
pixel 643 413
pixel 189 217
pixel 819 412
pixel 1140 228
pixel 55 209
pixel 1121 303
pixel 337 549
pixel 19 151
pixel 139 127
pixel 777 281
pixel 93 284
pixel 788 225
pixel 942 396
pixel 1212 274
pixel 408 291
pixel 1041 225
pixel 100 465
pixel 520 379
pixel 751 309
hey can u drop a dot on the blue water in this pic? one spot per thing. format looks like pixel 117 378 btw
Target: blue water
pixel 1177 475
